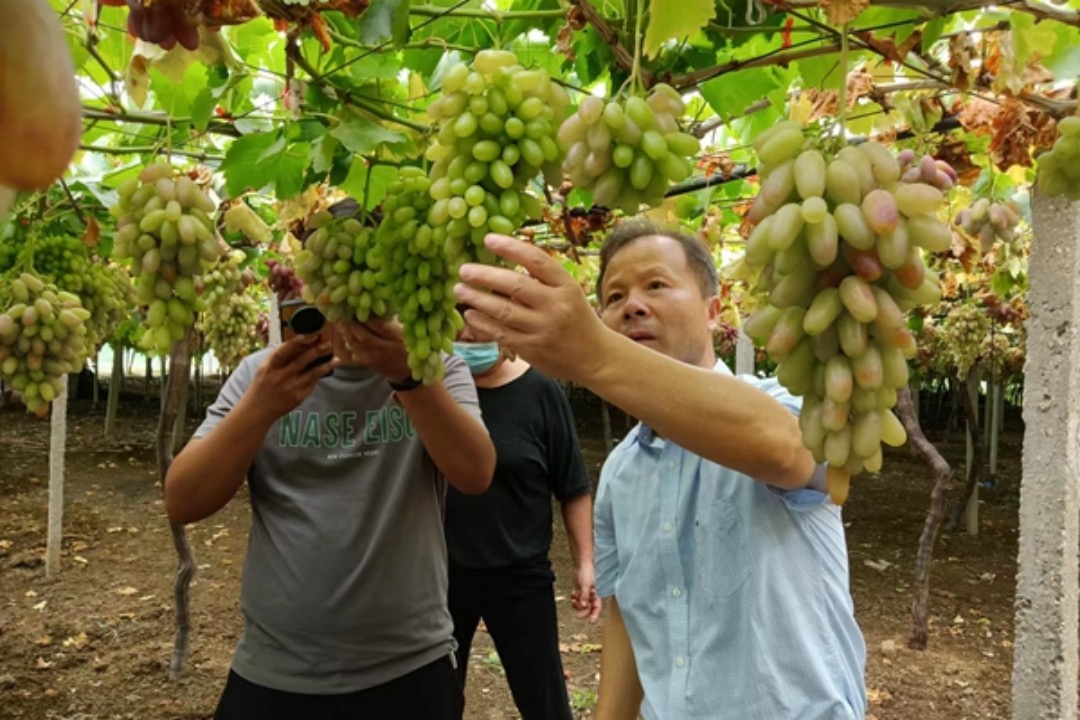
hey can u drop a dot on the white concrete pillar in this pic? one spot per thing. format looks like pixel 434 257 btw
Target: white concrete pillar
pixel 744 354
pixel 1046 662
pixel 275 320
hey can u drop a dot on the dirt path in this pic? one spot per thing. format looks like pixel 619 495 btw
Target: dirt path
pixel 95 643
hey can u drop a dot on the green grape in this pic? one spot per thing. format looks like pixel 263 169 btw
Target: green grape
pixel 496 131
pixel 165 231
pixel 422 274
pixel 627 152
pixel 344 270
pixel 42 338
pixel 230 325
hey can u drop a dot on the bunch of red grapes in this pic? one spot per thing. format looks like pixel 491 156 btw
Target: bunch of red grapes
pixel 283 281
pixel 163 22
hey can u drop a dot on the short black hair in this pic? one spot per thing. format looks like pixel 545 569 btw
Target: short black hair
pixel 698 257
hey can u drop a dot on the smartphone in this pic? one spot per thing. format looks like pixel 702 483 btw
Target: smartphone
pixel 300 318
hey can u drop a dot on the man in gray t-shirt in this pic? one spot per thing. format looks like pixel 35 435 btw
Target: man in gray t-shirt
pixel 344 586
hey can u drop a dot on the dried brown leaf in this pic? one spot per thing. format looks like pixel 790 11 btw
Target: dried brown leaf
pixel 840 12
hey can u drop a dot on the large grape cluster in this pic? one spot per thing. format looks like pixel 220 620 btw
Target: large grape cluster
pixel 1059 169
pixel 628 151
pixel 988 221
pixel 66 262
pixel 421 276
pixel 838 242
pixel 496 131
pixel 42 332
pixel 231 326
pixel 963 332
pixel 164 228
pixel 344 270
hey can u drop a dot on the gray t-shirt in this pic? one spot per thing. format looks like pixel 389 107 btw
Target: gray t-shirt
pixel 344 583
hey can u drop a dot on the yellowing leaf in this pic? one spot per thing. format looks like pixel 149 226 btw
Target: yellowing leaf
pixel 802 109
pixel 670 20
pixel 76 641
pixel 843 11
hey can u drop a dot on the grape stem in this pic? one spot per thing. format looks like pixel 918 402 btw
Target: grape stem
pixel 845 52
pixel 635 75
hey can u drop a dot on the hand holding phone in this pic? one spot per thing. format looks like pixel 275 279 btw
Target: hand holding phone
pixel 299 318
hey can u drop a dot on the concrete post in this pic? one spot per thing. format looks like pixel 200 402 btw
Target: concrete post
pixel 275 320
pixel 1046 661
pixel 744 354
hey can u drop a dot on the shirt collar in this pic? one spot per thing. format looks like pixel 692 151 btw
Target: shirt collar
pixel 645 435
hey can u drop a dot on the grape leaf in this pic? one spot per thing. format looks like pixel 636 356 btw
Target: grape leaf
pixel 257 160
pixel 1031 39
pixel 362 136
pixel 387 19
pixel 840 12
pixel 370 183
pixel 672 20
pixel 733 93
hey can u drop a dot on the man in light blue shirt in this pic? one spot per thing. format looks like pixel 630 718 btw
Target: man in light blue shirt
pixel 723 559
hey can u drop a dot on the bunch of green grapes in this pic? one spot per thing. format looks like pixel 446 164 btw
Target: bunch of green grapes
pixel 838 242
pixel 994 356
pixel 932 357
pixel 628 151
pixel 108 297
pixel 989 221
pixel 1059 169
pixel 63 259
pixel 344 270
pixel 222 280
pixel 963 332
pixel 496 132
pixel 165 229
pixel 42 332
pixel 230 326
pixel 422 278
pixel 66 262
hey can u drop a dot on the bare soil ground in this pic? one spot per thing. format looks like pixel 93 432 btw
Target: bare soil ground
pixel 94 643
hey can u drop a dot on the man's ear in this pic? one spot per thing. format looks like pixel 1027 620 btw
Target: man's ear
pixel 713 311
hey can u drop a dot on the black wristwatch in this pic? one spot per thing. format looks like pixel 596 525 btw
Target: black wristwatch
pixel 405 385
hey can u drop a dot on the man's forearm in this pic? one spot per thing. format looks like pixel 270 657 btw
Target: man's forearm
pixel 718 417
pixel 577 518
pixel 208 471
pixel 620 693
pixel 458 443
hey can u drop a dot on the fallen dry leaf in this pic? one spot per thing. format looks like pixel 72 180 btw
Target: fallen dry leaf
pixel 42 664
pixel 126 591
pixel 76 641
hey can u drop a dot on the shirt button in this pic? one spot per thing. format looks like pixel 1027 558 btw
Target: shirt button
pixel 668 527
pixel 671 465
pixel 677 592
pixel 679 662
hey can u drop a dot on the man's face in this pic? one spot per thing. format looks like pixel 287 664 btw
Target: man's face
pixel 652 296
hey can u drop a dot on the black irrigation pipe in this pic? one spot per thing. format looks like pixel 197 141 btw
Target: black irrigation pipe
pixel 743 171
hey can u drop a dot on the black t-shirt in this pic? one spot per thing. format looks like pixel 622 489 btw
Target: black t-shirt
pixel 538 456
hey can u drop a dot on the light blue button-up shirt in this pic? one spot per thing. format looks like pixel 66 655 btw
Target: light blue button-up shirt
pixel 735 594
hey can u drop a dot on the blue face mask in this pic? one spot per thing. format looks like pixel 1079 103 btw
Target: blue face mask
pixel 480 357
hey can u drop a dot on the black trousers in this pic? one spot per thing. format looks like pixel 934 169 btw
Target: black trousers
pixel 518 609
pixel 432 692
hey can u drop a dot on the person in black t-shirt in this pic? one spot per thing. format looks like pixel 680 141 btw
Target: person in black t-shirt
pixel 498 542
